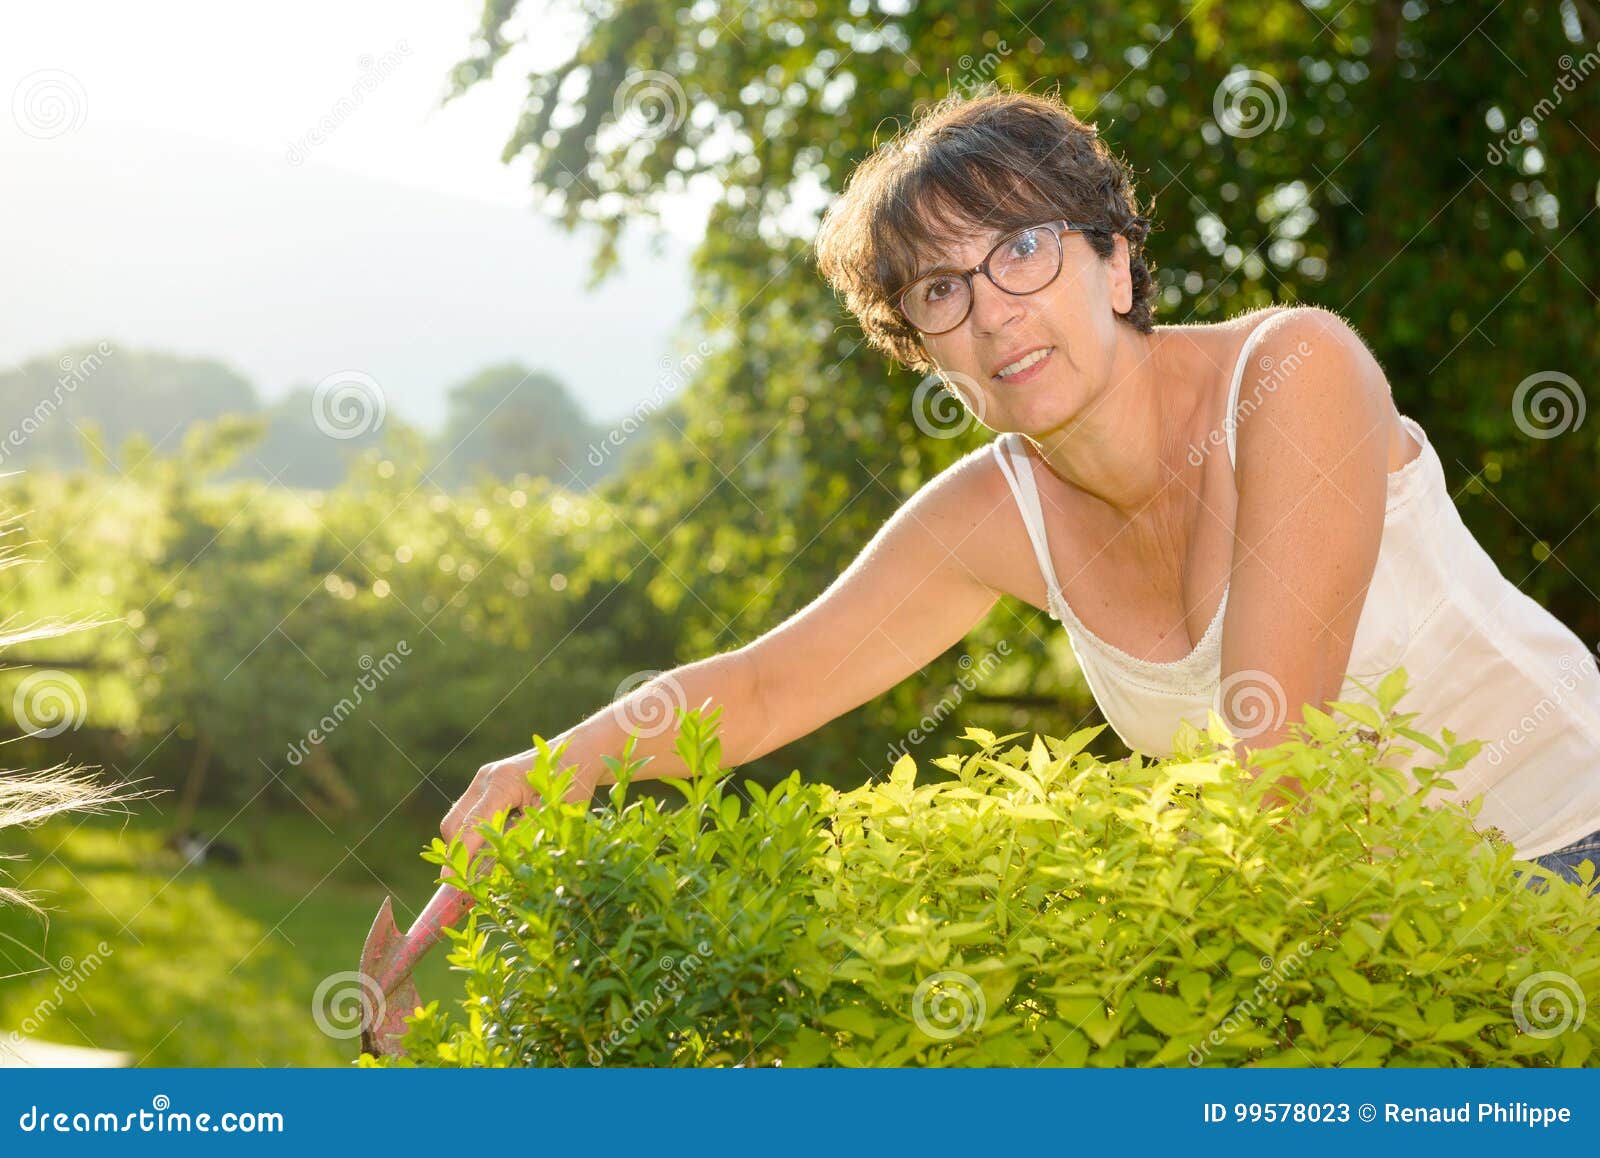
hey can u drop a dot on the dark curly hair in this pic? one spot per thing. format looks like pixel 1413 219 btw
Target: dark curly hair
pixel 1003 160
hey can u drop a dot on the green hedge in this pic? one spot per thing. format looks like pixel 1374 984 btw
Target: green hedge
pixel 1034 906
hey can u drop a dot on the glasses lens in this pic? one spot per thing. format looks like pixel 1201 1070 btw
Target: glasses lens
pixel 1027 260
pixel 936 303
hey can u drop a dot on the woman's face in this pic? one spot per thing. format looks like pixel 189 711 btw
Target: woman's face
pixel 1072 317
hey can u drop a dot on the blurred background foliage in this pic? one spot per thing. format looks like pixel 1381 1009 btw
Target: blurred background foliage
pixel 531 561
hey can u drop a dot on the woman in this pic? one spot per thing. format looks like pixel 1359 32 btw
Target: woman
pixel 1229 515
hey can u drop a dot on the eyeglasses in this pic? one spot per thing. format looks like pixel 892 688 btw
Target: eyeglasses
pixel 1021 263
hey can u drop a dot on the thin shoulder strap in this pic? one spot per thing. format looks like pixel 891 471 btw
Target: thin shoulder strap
pixel 1230 418
pixel 1019 476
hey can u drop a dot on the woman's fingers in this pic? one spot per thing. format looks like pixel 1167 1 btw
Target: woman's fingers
pixel 493 783
pixel 496 788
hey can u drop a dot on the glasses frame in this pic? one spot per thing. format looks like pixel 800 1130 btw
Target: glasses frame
pixel 1056 227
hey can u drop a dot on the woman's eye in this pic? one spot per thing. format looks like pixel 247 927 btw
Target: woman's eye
pixel 1025 245
pixel 937 288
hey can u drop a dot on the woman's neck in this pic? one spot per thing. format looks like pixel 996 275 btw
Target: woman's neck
pixel 1132 438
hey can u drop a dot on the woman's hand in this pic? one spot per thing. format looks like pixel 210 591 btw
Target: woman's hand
pixel 497 787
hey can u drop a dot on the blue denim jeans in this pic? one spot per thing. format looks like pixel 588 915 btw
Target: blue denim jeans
pixel 1564 861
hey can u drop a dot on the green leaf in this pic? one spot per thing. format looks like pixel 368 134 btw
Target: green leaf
pixel 1321 725
pixel 852 1019
pixel 1357 987
pixel 1390 689
pixel 1033 812
pixel 1038 756
pixel 1416 737
pixel 1361 713
pixel 1167 1013
pixel 1311 1020
pixel 1575 1051
pixel 1075 743
pixel 1466 1028
pixel 1217 729
pixel 1193 987
pixel 808 1048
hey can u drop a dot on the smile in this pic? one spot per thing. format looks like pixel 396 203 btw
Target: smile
pixel 1025 367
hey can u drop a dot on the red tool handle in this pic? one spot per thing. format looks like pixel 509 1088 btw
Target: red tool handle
pixel 447 906
pixel 388 958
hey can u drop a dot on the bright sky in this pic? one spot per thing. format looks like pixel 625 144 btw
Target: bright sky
pixel 113 111
pixel 262 77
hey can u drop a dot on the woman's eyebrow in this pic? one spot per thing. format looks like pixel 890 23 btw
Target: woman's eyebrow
pixel 992 238
pixel 923 271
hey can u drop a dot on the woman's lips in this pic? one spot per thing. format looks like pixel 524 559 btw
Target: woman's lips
pixel 1030 372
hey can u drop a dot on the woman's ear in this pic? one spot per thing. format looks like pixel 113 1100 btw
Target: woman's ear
pixel 1119 277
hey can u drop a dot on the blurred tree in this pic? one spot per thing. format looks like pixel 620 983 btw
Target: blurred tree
pixel 298 452
pixel 121 392
pixel 72 408
pixel 365 647
pixel 508 420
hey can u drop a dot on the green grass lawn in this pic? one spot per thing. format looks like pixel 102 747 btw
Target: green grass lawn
pixel 207 964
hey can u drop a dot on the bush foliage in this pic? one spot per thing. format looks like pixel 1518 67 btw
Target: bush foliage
pixel 1036 905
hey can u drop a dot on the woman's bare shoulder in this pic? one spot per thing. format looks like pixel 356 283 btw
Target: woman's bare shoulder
pixel 1324 379
pixel 972 504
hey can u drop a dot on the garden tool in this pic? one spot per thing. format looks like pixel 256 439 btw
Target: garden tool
pixel 388 994
pixel 387 959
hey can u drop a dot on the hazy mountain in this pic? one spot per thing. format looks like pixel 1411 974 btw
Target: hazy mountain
pixel 81 405
pixel 292 274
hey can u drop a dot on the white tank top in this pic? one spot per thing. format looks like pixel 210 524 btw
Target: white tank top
pixel 1482 658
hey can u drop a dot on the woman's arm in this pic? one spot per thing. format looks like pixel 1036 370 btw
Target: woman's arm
pixel 913 592
pixel 1311 475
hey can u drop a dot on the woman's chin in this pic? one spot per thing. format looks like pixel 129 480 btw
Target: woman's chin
pixel 1032 417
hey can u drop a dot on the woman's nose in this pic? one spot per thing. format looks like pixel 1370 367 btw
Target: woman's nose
pixel 992 307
